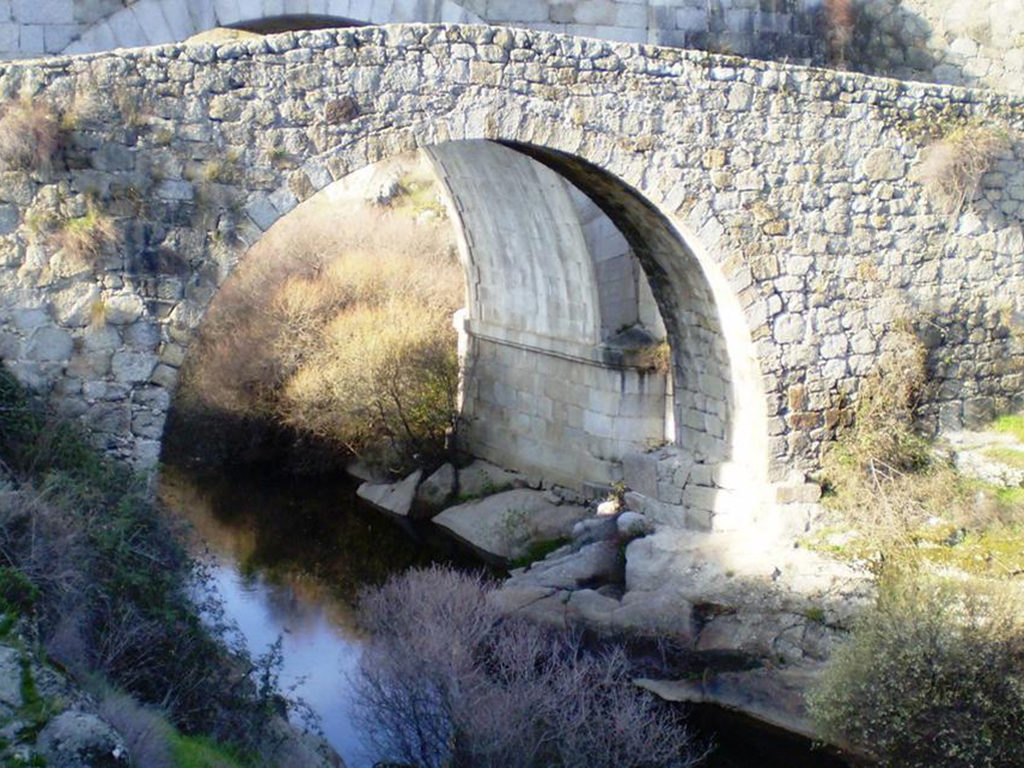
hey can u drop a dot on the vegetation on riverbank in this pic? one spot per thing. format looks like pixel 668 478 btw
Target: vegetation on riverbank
pixel 448 681
pixel 101 587
pixel 932 675
pixel 337 336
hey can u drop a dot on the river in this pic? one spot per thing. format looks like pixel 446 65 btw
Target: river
pixel 288 557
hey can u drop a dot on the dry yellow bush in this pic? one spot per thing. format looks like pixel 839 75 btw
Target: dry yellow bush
pixel 340 330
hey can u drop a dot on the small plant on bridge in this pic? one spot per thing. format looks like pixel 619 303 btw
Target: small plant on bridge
pixel 29 136
pixel 952 168
pixel 84 239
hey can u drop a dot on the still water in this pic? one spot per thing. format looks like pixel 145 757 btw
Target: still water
pixel 288 557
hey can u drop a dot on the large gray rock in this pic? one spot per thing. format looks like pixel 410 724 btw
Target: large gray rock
pixel 600 561
pixel 10 681
pixel 507 524
pixel 76 739
pixel 483 479
pixel 773 696
pixel 395 498
pixel 48 344
pixel 436 491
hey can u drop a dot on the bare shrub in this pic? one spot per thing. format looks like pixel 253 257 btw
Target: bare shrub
pixel 447 681
pixel 951 168
pixel 29 136
pixel 343 334
pixel 932 677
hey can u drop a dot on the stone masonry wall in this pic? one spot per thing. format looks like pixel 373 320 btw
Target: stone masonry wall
pixel 963 42
pixel 562 419
pixel 787 196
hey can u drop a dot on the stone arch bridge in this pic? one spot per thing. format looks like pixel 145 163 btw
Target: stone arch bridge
pixel 775 213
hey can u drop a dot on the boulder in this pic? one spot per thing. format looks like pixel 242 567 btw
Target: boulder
pixel 395 498
pixel 436 491
pixel 482 478
pixel 632 525
pixel 505 526
pixel 76 739
pixel 360 470
pixel 598 562
pixel 593 529
pixel 10 681
pixel 591 609
pixel 773 696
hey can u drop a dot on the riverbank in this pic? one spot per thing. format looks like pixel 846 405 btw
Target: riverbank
pixel 108 647
pixel 291 552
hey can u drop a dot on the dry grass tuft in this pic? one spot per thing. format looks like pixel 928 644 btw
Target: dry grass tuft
pixel 951 168
pixel 85 238
pixel 29 136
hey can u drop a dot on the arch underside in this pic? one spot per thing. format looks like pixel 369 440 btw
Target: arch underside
pixel 548 387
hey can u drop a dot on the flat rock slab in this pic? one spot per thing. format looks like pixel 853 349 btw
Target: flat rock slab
pixel 773 696
pixel 600 561
pixel 395 498
pixel 505 525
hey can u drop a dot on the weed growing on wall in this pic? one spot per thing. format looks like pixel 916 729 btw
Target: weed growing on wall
pixel 29 136
pixel 952 167
pixel 84 239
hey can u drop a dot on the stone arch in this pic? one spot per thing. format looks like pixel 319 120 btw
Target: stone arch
pixel 717 458
pixel 335 116
pixel 154 22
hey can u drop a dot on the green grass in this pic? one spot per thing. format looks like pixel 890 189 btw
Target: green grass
pixel 201 752
pixel 36 710
pixel 539 550
pixel 1011 425
pixel 1009 456
pixel 994 551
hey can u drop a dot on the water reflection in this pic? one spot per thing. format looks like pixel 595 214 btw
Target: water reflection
pixel 287 559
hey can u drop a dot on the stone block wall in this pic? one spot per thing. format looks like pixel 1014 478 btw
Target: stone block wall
pixel 963 42
pixel 777 212
pixel 562 419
